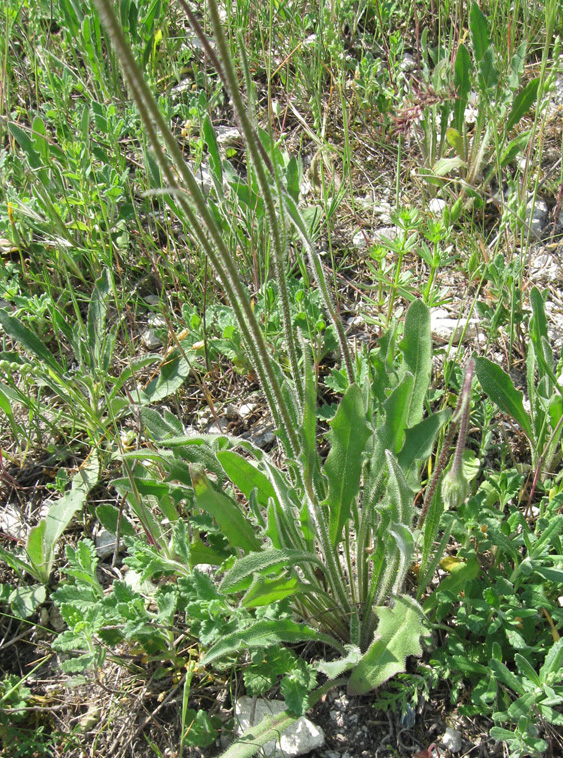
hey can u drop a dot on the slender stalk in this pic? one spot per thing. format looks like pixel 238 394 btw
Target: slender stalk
pixel 206 230
pixel 279 239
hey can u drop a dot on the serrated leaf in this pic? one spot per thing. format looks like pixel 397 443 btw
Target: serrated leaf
pixel 397 636
pixel 553 661
pixel 264 633
pixel 504 675
pixel 499 387
pixel 161 426
pixel 348 435
pixel 334 669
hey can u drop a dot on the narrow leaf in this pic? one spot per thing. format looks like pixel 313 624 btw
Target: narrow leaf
pixel 479 32
pixel 232 521
pixel 28 340
pixel 265 633
pixel 500 389
pixel 417 351
pixel 348 435
pixel 523 101
pixel 267 561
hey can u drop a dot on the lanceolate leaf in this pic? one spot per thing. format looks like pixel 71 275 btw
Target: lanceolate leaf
pixel 479 32
pixel 266 561
pixel 29 341
pixel 523 101
pixel 462 82
pixel 246 476
pixel 417 350
pixel 348 435
pixel 230 518
pixel 397 636
pixel 420 439
pixel 500 389
pixel 265 633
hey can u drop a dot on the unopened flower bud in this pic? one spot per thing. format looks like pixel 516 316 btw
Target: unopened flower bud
pixel 455 488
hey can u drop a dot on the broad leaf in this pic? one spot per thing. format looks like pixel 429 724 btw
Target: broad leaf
pixel 247 477
pixel 397 636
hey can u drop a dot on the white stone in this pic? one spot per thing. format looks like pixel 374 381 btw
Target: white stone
pixel 445 329
pixel 545 267
pixel 227 135
pixel 385 233
pixel 105 544
pixel 11 523
pixel 407 63
pixel 215 428
pixel 452 740
pixel 436 206
pixel 246 409
pixel 151 340
pixel 360 240
pixel 536 216
pixel 302 737
pixel 263 437
pixel 157 321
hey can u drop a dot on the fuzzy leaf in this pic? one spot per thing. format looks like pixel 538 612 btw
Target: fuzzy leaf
pixel 348 435
pixel 500 389
pixel 267 561
pixel 233 523
pixel 397 636
pixel 263 634
pixel 523 101
pixel 417 351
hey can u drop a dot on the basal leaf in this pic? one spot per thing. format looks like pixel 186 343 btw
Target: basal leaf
pixel 348 435
pixel 397 636
pixel 233 523
pixel 499 387
pixel 265 633
pixel 417 351
pixel 266 561
pixel 523 101
pixel 479 32
pixel 29 341
pixel 246 476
